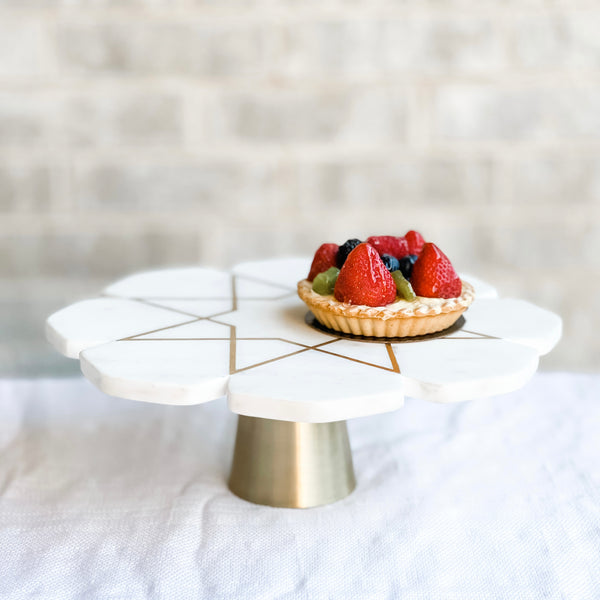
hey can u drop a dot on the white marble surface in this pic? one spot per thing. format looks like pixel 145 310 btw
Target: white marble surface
pixel 181 371
pixel 185 282
pixel 190 335
pixel 453 370
pixel 516 321
pixel 482 288
pixel 93 322
pixel 314 387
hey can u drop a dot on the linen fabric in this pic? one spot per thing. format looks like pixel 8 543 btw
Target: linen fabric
pixel 491 499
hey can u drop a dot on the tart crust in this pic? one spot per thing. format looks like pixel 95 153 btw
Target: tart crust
pixel 399 319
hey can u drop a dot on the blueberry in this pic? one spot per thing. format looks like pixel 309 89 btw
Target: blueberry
pixel 406 264
pixel 391 262
pixel 344 250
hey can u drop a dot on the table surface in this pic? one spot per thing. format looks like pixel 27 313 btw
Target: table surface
pixel 108 498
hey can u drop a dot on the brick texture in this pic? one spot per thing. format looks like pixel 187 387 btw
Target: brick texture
pixel 138 133
pixel 129 119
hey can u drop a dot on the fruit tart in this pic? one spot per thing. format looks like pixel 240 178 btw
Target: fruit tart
pixel 388 286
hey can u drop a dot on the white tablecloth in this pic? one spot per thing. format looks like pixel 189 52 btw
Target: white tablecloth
pixel 107 498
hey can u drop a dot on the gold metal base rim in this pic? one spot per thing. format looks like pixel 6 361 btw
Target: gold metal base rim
pixel 291 465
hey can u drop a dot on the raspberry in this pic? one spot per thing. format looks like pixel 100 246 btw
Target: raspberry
pixel 389 244
pixel 415 241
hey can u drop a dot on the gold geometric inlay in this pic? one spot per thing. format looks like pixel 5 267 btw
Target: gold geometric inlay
pixel 232 338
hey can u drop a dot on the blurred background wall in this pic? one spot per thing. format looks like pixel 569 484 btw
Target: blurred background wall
pixel 140 133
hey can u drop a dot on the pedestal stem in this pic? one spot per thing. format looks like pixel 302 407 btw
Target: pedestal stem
pixel 293 465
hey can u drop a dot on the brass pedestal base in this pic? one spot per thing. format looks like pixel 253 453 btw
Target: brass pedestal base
pixel 292 465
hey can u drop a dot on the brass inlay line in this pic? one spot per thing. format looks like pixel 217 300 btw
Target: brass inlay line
pixel 152 301
pixel 356 360
pixel 173 339
pixel 481 335
pixel 208 298
pixel 155 305
pixel 181 298
pixel 184 298
pixel 213 320
pixel 300 343
pixel 303 349
pixel 182 312
pixel 233 294
pixel 281 286
pixel 460 337
pixel 392 356
pixel 232 349
pixel 316 346
pixel 274 339
pixel 225 312
pixel 137 335
pixel 149 302
pixel 265 362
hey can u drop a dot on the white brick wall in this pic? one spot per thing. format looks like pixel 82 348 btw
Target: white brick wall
pixel 136 133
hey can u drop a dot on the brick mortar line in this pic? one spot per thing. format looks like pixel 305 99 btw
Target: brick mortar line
pixel 94 231
pixel 165 221
pixel 290 155
pixel 269 13
pixel 511 78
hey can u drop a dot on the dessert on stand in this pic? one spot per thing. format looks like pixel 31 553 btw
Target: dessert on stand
pixel 368 288
pixel 190 335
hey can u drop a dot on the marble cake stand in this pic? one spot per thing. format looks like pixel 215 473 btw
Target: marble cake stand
pixel 190 335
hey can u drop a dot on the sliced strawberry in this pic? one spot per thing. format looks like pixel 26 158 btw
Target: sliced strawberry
pixel 415 241
pixel 324 258
pixel 433 275
pixel 364 279
pixel 389 244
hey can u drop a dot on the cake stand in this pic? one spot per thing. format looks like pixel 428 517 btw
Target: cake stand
pixel 191 335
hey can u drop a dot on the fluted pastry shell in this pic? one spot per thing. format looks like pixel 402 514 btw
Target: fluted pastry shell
pixel 399 319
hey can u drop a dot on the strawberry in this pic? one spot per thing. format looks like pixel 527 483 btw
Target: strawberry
pixel 324 258
pixel 415 241
pixel 364 279
pixel 389 244
pixel 433 275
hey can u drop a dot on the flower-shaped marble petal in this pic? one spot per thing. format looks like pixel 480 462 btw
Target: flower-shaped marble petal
pixel 93 322
pixel 190 335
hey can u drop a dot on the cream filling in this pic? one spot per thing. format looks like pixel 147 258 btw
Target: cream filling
pixel 421 305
